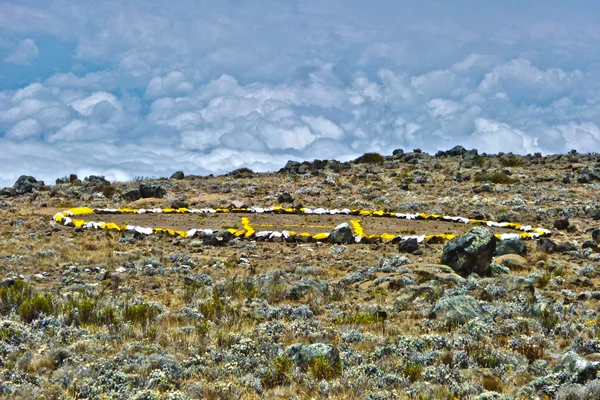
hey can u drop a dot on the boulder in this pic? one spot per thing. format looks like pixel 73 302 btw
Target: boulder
pixel 546 245
pixel 26 184
pixel 408 246
pixel 179 204
pixel 471 252
pixel 219 238
pixel 565 247
pixel 456 151
pixel 596 236
pixel 341 234
pixel 131 195
pixel 147 190
pixel 95 181
pixel 285 198
pixel 561 224
pixel 178 175
pixel 457 309
pixel 303 354
pixel 578 367
pixel 510 246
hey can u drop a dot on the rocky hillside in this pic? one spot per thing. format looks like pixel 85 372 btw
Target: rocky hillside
pixel 105 314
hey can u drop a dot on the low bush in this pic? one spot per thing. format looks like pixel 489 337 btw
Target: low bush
pixel 321 369
pixel 374 158
pixel 32 308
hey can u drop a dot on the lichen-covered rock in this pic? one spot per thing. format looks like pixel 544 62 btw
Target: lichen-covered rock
pixel 581 369
pixel 302 354
pixel 457 309
pixel 546 245
pixel 471 252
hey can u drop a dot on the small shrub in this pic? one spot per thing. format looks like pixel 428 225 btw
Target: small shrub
pixel 485 358
pixel 32 308
pixel 412 371
pixel 243 170
pixel 320 369
pixel 140 313
pixel 492 384
pixel 358 319
pixel 511 162
pixel 12 297
pixel 531 351
pixel 374 158
pixel 278 374
pixel 549 319
pixel 542 280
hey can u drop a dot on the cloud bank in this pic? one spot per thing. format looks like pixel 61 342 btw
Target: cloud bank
pixel 128 89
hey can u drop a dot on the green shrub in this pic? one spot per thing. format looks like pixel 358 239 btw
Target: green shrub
pixel 412 371
pixel 32 308
pixel 140 313
pixel 12 297
pixel 375 158
pixel 358 319
pixel 511 162
pixel 278 374
pixel 321 369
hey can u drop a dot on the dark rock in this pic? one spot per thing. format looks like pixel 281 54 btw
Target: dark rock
pixel 565 247
pixel 285 198
pixel 456 151
pixel 457 309
pixel 596 236
pixel 471 252
pixel 303 354
pixel 131 195
pixel 95 181
pixel 7 282
pixel 178 175
pixel 26 184
pixel 546 245
pixel 590 244
pixel 147 190
pixel 561 224
pixel 220 238
pixel 341 234
pixel 408 246
pixel 398 152
pixel 510 246
pixel 179 204
pixel 578 367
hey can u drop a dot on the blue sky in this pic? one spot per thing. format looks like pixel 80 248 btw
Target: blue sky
pixel 131 88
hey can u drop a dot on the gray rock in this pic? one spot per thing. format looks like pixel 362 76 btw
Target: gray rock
pixel 510 246
pixel 132 195
pixel 342 234
pixel 147 190
pixel 582 369
pixel 178 175
pixel 217 239
pixel 26 184
pixel 471 252
pixel 546 245
pixel 561 224
pixel 456 151
pixel 596 236
pixel 457 309
pixel 565 247
pixel 7 282
pixel 302 354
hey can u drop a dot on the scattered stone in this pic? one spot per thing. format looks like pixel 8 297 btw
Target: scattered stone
pixel 512 261
pixel 220 238
pixel 26 184
pixel 471 252
pixel 131 195
pixel 510 246
pixel 342 234
pixel 546 245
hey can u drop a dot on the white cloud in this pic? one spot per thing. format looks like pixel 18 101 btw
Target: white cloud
pixel 144 88
pixel 25 52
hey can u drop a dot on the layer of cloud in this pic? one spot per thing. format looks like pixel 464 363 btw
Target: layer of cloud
pixel 152 87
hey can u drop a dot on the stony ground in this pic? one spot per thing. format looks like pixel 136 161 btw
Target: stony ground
pixel 97 314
